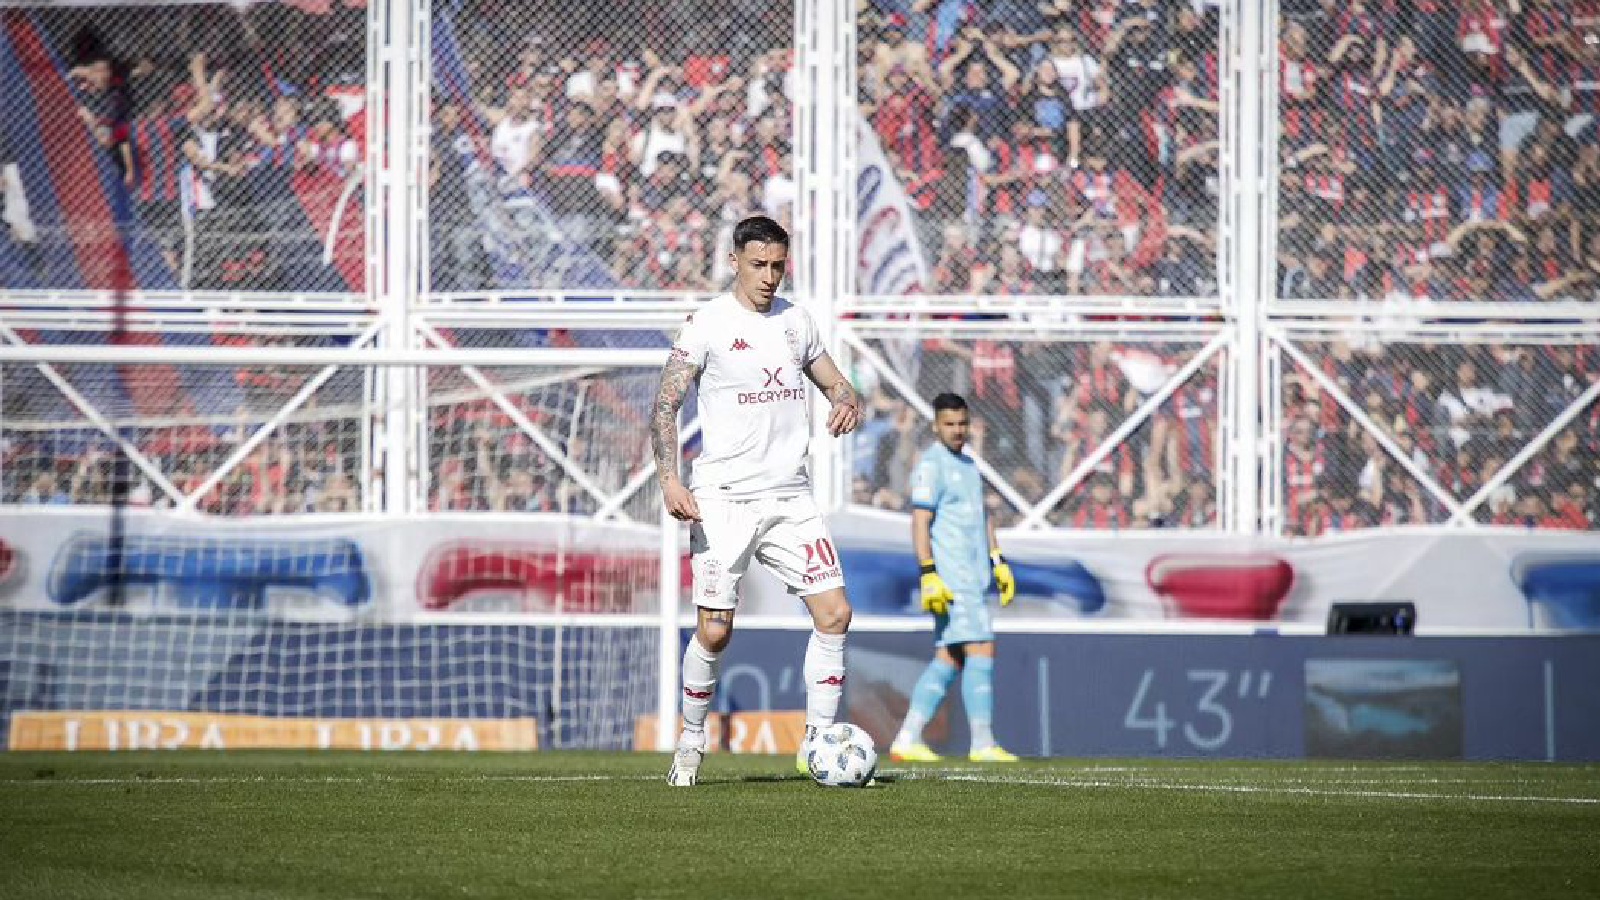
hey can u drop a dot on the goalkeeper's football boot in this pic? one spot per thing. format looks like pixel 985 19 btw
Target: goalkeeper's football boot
pixel 685 771
pixel 913 753
pixel 995 754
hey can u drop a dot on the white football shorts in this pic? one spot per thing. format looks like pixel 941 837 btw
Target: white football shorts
pixel 787 535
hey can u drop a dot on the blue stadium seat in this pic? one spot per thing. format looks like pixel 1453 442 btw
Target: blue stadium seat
pixel 213 573
pixel 885 582
pixel 1566 590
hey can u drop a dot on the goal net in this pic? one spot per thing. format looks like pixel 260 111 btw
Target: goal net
pixel 186 571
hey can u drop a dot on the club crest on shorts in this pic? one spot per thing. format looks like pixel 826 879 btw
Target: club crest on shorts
pixel 711 571
pixel 796 351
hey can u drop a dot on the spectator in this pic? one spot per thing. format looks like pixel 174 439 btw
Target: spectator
pixel 969 75
pixel 456 245
pixel 571 167
pixel 1102 510
pixel 1084 82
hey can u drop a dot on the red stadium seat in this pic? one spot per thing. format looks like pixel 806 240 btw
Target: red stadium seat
pixel 8 561
pixel 587 581
pixel 1221 585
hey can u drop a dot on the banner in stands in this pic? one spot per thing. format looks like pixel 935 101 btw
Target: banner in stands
pixel 399 570
pixel 889 255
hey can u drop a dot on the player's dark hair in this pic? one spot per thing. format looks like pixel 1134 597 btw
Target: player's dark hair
pixel 760 229
pixel 948 401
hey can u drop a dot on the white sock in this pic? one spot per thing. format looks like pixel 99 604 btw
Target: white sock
pixel 824 674
pixel 699 685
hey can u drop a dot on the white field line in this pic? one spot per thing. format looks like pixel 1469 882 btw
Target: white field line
pixel 323 779
pixel 1223 788
pixel 1140 774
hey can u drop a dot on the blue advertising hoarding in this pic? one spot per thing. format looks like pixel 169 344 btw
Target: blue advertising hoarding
pixel 1245 696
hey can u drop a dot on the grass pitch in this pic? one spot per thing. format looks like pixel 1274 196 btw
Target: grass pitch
pixel 586 825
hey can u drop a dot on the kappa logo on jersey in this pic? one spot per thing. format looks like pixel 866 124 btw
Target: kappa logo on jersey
pixel 739 344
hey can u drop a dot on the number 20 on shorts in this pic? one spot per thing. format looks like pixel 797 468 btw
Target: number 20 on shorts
pixel 820 555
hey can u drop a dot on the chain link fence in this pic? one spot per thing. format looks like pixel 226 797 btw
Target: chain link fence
pixel 1052 148
pixel 1045 413
pixel 185 146
pixel 1440 151
pixel 251 440
pixel 1460 414
pixel 610 146
pixel 563 439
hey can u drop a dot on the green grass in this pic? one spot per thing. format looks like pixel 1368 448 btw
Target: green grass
pixel 550 825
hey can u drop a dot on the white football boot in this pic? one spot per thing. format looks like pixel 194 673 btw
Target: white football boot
pixel 685 771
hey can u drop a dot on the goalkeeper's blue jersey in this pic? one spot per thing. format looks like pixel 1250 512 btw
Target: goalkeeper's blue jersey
pixel 949 485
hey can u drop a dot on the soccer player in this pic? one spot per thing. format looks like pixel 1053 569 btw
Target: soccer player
pixel 749 353
pixel 955 542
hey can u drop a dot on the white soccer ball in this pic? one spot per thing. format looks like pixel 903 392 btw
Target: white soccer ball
pixel 842 755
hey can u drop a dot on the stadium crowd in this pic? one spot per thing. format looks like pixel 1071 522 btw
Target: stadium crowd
pixel 238 133
pixel 1459 413
pixel 312 465
pixel 1054 147
pixel 1428 150
pixel 1440 151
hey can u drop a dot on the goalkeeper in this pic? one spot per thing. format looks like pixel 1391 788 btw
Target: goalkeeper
pixel 955 543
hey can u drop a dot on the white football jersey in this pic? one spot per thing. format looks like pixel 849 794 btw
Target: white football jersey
pixel 755 411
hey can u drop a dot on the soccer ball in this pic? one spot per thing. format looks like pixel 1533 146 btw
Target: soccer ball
pixel 842 755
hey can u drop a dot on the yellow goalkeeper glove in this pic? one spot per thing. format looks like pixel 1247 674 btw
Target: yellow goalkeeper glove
pixel 936 596
pixel 1003 579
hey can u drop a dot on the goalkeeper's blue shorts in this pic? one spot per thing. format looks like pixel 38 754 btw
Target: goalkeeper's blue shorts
pixel 969 621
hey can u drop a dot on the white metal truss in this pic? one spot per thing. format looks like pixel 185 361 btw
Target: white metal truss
pixel 248 446
pixel 1283 338
pixel 292 316
pixel 1463 516
pixel 825 154
pixel 549 446
pixel 1035 518
pixel 1350 406
pixel 855 334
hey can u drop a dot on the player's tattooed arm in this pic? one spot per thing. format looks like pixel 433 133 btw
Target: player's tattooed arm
pixel 841 391
pixel 846 414
pixel 676 377
pixel 679 373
